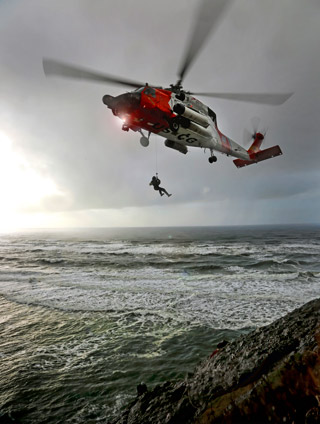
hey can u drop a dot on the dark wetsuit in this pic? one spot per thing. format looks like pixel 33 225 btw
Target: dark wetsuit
pixel 155 182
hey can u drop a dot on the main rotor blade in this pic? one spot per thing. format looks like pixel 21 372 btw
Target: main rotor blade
pixel 53 67
pixel 262 98
pixel 208 16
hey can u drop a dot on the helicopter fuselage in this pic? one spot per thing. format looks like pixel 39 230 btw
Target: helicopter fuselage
pixel 180 118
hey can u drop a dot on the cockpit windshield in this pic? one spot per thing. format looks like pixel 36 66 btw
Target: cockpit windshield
pixel 150 91
pixel 139 90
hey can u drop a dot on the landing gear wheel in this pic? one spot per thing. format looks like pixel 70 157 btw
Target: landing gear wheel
pixel 213 159
pixel 144 141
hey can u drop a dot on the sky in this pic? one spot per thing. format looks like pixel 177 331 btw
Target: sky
pixel 64 160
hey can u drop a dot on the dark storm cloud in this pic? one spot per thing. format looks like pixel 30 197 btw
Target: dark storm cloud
pixel 63 125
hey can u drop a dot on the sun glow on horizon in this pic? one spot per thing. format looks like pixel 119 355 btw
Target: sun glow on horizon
pixel 22 187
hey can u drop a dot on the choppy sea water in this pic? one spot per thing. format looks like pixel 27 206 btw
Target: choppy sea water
pixel 86 315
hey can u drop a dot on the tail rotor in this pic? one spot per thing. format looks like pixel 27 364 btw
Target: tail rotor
pixel 255 153
pixel 250 137
pixel 255 123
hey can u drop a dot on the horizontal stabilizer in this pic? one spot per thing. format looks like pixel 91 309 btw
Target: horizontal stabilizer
pixel 259 156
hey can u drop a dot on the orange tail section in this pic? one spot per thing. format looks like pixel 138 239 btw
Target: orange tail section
pixel 257 155
pixel 255 146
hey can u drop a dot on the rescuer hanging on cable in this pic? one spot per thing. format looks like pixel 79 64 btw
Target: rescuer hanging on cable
pixel 155 182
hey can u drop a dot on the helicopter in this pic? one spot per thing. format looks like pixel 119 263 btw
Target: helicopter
pixel 174 113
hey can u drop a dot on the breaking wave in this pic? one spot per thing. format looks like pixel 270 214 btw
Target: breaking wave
pixel 88 315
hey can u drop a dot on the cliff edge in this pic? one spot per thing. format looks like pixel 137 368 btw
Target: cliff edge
pixel 271 375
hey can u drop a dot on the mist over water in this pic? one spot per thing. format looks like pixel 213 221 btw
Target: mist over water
pixel 86 315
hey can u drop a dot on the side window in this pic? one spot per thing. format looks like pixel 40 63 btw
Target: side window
pixel 212 115
pixel 149 91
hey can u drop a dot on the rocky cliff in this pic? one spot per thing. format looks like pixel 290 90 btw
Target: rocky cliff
pixel 271 375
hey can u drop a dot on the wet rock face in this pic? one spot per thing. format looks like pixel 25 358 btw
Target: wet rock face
pixel 271 375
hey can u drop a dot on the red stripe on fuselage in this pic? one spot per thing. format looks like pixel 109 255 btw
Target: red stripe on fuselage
pixel 224 141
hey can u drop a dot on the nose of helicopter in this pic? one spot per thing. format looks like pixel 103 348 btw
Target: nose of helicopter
pixel 108 100
pixel 126 102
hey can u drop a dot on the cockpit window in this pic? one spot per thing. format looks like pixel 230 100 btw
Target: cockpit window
pixel 139 90
pixel 149 91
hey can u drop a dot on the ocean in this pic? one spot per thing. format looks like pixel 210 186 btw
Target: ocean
pixel 88 314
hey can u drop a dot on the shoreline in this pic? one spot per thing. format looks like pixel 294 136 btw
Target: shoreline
pixel 269 375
